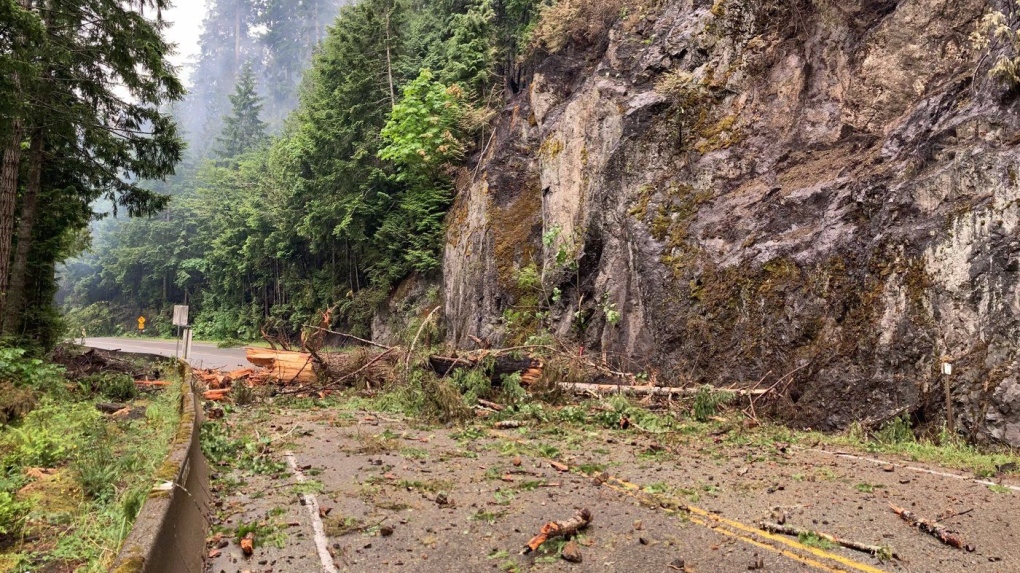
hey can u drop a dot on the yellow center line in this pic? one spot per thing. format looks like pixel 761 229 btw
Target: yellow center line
pixel 784 552
pixel 716 523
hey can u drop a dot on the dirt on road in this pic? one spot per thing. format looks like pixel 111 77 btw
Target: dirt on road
pixel 338 487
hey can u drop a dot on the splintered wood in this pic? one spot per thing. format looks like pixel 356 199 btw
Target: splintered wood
pixel 555 529
pixel 284 365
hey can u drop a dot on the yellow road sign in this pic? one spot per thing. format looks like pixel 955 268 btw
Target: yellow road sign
pixel 141 323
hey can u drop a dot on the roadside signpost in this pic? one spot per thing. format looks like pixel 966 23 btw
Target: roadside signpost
pixel 180 315
pixel 141 323
pixel 183 330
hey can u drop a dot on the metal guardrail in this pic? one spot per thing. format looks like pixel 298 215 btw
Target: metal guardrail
pixel 169 533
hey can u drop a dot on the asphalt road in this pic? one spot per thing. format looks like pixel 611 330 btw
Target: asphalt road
pixel 203 355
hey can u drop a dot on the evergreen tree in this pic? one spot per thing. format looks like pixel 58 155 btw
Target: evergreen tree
pixel 227 41
pixel 243 130
pixel 80 126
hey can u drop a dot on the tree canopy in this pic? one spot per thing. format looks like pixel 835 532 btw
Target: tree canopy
pixel 345 199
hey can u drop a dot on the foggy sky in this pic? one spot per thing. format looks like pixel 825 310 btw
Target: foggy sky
pixel 186 25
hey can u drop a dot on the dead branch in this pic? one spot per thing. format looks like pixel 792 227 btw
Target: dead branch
pixel 491 405
pixel 410 351
pixel 529 368
pixel 267 338
pixel 876 550
pixel 788 375
pixel 931 528
pixel 558 529
pixel 337 381
pixel 351 336
pixel 581 388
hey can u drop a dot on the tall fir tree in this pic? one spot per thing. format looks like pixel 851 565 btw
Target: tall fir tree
pixel 243 129
pixel 78 122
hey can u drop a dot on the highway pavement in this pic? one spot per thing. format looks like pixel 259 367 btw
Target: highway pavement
pixel 203 354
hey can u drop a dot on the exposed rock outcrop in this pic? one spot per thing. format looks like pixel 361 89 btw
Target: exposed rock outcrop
pixel 759 188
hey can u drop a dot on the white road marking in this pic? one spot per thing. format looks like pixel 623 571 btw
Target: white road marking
pixel 318 531
pixel 913 468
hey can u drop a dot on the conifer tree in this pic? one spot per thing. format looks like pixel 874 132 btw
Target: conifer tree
pixel 243 130
pixel 79 122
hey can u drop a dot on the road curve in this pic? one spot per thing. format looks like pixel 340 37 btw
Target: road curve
pixel 203 355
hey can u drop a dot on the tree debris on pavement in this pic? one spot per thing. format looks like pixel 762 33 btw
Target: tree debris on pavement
pixel 880 551
pixel 555 529
pixel 932 528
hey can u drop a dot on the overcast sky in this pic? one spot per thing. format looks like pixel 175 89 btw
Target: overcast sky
pixel 186 25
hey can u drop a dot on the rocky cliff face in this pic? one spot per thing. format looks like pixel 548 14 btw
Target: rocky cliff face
pixel 812 193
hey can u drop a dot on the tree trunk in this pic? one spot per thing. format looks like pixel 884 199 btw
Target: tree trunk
pixel 16 295
pixel 8 195
pixel 389 64
pixel 237 38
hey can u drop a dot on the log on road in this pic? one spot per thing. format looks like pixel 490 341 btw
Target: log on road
pixel 284 365
pixel 528 367
pixel 653 390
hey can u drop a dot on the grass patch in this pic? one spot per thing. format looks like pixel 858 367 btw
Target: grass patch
pixel 339 525
pixel 424 487
pixel 867 487
pixel 489 517
pixel 265 534
pixel 74 480
pixel 812 539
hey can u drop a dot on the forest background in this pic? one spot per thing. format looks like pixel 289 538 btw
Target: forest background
pixel 321 140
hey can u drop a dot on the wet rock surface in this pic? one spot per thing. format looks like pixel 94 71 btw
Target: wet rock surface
pixel 762 190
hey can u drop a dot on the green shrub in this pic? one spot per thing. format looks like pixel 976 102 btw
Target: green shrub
pixel 472 383
pixel 511 391
pixel 12 514
pixel 707 402
pixel 117 387
pixel 38 446
pixel 49 434
pixel 995 28
pixel 96 319
pixel 896 431
pixel 97 472
pixel 15 402
pixel 95 463
pixel 33 373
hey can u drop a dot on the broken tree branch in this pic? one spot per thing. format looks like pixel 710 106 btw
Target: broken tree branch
pixel 334 383
pixel 876 550
pixel 581 388
pixel 558 529
pixel 931 528
pixel 529 368
pixel 351 336
pixel 410 351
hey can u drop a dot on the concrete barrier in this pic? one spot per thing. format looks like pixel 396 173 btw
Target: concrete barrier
pixel 169 533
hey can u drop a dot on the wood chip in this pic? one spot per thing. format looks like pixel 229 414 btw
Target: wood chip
pixel 248 543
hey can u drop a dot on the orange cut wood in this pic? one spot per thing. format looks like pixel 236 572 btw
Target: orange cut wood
pixel 248 543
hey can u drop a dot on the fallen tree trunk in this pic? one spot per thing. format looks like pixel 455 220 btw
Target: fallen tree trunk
pixel 876 550
pixel 284 365
pixel 368 364
pixel 653 390
pixel 528 367
pixel 931 528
